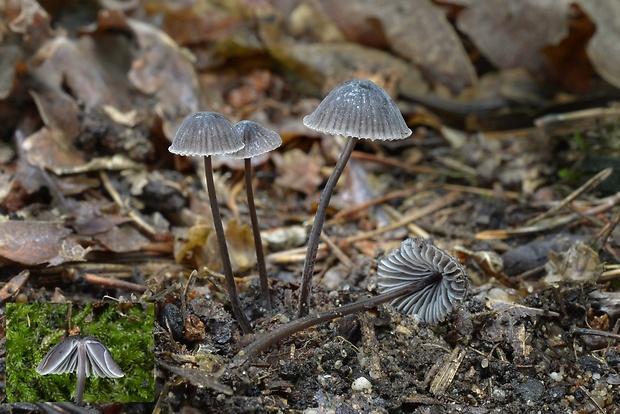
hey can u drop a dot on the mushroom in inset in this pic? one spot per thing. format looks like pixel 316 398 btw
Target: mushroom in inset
pixel 258 140
pixel 356 109
pixel 84 355
pixel 204 134
pixel 433 281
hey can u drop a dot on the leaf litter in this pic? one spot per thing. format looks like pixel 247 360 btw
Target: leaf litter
pixel 512 165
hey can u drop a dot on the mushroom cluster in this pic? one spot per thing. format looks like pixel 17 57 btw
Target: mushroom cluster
pixel 417 278
pixel 205 134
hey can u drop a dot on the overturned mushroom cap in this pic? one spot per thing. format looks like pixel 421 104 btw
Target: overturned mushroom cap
pixel 256 138
pixel 65 357
pixel 442 279
pixel 359 108
pixel 205 134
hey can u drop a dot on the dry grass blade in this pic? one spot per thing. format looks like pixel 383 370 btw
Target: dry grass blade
pixel 551 223
pixel 590 184
pixel 446 372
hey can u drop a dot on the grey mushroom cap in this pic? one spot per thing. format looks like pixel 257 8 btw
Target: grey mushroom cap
pixel 65 357
pixel 359 108
pixel 256 138
pixel 205 134
pixel 442 278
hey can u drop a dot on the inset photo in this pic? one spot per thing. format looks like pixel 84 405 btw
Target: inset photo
pixel 80 352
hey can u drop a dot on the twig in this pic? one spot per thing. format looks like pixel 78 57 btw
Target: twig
pixel 294 255
pixel 379 200
pixel 594 332
pixel 549 224
pixel 118 200
pixel 416 215
pixel 590 184
pixel 338 252
pixel 390 162
pixel 113 283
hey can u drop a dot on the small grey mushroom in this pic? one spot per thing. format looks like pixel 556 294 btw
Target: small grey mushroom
pixel 205 134
pixel 84 355
pixel 356 109
pixel 257 140
pixel 440 279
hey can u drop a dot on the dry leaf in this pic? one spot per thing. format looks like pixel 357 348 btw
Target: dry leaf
pixel 240 246
pixel 31 243
pixel 604 47
pixel 163 70
pixel 297 171
pixel 123 239
pixel 416 30
pixel 512 33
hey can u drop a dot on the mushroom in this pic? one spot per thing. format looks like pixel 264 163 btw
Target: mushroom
pixel 84 355
pixel 205 134
pixel 438 279
pixel 356 109
pixel 417 278
pixel 257 140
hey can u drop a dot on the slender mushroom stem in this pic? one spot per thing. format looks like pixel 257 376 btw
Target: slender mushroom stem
pixel 317 228
pixel 258 244
pixel 221 239
pixel 273 337
pixel 81 373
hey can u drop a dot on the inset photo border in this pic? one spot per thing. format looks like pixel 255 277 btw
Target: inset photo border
pixel 124 329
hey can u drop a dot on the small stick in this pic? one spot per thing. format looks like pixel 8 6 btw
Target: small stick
pixel 590 184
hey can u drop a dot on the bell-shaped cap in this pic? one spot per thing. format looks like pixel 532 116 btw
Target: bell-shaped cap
pixel 359 108
pixel 442 279
pixel 205 134
pixel 256 138
pixel 79 349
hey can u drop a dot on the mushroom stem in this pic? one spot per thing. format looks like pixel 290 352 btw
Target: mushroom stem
pixel 273 337
pixel 81 373
pixel 221 239
pixel 258 244
pixel 317 227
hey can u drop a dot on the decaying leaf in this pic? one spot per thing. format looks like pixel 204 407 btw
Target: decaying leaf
pixel 14 285
pixel 49 148
pixel 241 246
pixel 122 239
pixel 512 33
pixel 416 30
pixel 580 263
pixel 604 48
pixel 32 243
pixel 298 171
pixel 163 70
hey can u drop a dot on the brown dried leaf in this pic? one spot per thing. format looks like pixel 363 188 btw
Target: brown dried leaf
pixel 14 285
pixel 512 33
pixel 297 171
pixel 31 243
pixel 123 239
pixel 240 245
pixel 163 70
pixel 604 47
pixel 416 30
pixel 50 148
pixel 92 69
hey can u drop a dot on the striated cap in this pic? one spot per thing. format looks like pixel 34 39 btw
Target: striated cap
pixel 359 108
pixel 80 350
pixel 256 138
pixel 204 134
pixel 443 281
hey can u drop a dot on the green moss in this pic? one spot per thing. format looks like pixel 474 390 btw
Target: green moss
pixel 126 329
